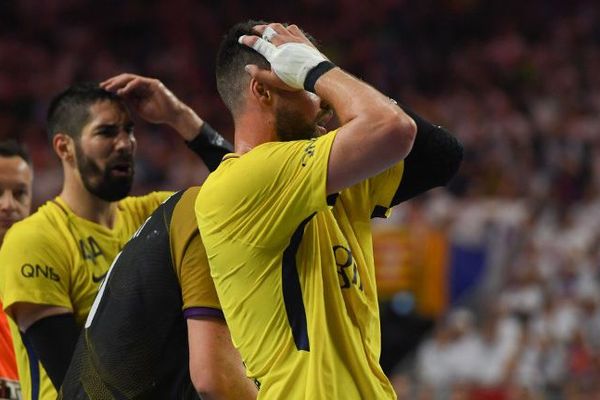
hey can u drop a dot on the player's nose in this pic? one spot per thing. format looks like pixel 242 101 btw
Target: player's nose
pixel 7 201
pixel 125 141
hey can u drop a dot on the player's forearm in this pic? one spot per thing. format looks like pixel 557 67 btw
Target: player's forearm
pixel 186 122
pixel 351 97
pixel 375 133
pixel 241 391
pixel 222 382
pixel 209 146
pixel 200 137
pixel 356 102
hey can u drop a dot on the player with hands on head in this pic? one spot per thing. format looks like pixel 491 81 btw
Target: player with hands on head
pixel 286 219
pixel 54 260
pixel 155 103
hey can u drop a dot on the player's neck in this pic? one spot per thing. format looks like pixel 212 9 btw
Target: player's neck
pixel 86 205
pixel 253 129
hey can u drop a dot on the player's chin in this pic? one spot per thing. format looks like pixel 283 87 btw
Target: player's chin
pixel 116 189
pixel 320 130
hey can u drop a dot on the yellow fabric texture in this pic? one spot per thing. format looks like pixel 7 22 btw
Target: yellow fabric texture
pixel 296 276
pixel 56 258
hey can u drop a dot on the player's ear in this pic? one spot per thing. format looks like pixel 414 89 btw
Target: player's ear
pixel 64 146
pixel 261 92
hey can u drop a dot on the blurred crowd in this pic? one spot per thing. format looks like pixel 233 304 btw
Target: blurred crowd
pixel 516 81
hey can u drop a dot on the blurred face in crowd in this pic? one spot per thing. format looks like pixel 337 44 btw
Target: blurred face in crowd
pixel 16 177
pixel 300 115
pixel 105 150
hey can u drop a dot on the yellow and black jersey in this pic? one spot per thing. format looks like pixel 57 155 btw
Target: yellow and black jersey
pixel 57 258
pixel 134 344
pixel 294 270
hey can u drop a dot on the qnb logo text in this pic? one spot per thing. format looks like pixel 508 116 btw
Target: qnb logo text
pixel 39 271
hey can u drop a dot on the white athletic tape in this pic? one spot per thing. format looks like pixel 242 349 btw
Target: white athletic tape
pixel 289 61
pixel 265 48
pixel 268 34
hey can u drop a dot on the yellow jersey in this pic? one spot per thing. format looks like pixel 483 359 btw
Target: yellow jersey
pixel 135 341
pixel 57 258
pixel 294 270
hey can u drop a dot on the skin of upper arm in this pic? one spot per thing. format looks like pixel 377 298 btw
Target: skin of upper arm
pixel 26 314
pixel 365 147
pixel 375 132
pixel 216 367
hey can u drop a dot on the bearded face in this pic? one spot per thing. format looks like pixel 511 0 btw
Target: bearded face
pixel 292 124
pixel 104 151
pixel 111 182
pixel 300 116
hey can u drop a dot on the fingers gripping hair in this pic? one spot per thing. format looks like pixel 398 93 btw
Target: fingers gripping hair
pixel 69 110
pixel 232 57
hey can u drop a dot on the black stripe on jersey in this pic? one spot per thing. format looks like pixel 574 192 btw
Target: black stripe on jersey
pixel 331 199
pixel 292 291
pixel 61 207
pixel 379 212
pixel 169 207
pixel 34 368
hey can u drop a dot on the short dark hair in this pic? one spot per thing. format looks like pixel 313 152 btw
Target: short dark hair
pixel 12 148
pixel 232 57
pixel 69 110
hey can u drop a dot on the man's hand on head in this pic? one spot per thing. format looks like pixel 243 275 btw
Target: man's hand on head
pixel 155 103
pixel 291 54
pixel 148 97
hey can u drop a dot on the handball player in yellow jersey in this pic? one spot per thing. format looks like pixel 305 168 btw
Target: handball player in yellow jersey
pixel 53 262
pixel 286 219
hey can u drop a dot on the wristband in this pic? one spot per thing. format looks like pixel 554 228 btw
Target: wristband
pixel 315 73
pixel 207 137
pixel 291 62
pixel 209 146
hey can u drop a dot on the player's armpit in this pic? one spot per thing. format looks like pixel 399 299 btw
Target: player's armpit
pixel 26 314
pixel 216 367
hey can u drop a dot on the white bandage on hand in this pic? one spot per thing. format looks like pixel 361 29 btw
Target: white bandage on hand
pixel 289 61
pixel 268 34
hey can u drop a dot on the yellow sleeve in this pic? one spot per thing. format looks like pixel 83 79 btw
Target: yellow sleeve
pixel 35 267
pixel 263 196
pixel 382 189
pixel 143 206
pixel 197 287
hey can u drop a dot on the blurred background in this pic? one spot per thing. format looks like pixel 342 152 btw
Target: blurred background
pixel 489 288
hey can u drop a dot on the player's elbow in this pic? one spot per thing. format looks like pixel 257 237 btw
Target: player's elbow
pixel 452 158
pixel 210 386
pixel 399 131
